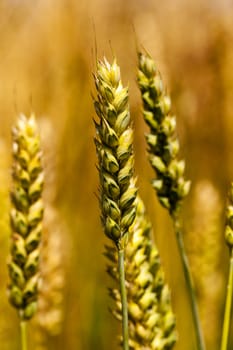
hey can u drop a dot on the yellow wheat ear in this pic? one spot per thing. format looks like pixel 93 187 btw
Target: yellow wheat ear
pixel 151 320
pixel 25 217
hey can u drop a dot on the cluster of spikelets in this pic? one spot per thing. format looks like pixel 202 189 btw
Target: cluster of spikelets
pixel 26 217
pixel 170 185
pixel 151 320
pixel 115 153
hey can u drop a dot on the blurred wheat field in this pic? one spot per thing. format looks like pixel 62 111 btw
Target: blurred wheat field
pixel 47 57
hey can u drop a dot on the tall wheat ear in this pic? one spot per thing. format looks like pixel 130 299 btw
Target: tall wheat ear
pixel 163 148
pixel 151 320
pixel 25 219
pixel 114 146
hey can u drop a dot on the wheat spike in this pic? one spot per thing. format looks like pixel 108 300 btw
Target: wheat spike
pixel 163 145
pixel 151 320
pixel 115 153
pixel 26 217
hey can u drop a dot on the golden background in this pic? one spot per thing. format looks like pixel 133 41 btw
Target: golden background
pixel 48 52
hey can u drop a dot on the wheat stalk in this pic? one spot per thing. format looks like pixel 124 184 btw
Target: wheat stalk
pixel 151 320
pixel 163 147
pixel 229 294
pixel 26 220
pixel 204 244
pixel 116 166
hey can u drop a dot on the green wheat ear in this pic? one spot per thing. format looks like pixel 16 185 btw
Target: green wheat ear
pixel 151 320
pixel 163 145
pixel 26 217
pixel 115 154
pixel 163 148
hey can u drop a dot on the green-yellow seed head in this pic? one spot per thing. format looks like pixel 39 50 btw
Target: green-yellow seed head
pixel 114 138
pixel 26 217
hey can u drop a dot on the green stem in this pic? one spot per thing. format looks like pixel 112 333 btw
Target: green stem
pixel 23 331
pixel 227 314
pixel 121 270
pixel 189 282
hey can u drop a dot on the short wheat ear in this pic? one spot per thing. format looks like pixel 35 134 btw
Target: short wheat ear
pixel 152 324
pixel 229 242
pixel 26 220
pixel 117 193
pixel 163 147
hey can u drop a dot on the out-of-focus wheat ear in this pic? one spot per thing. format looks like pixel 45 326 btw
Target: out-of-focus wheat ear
pixel 48 321
pixel 229 294
pixel 25 219
pixel 163 148
pixel 114 147
pixel 49 316
pixel 151 320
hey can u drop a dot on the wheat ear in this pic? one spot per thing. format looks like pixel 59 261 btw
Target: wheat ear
pixel 26 220
pixel 229 242
pixel 163 148
pixel 116 166
pixel 151 320
pixel 49 315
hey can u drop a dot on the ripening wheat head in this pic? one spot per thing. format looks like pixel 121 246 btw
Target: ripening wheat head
pixel 151 320
pixel 163 145
pixel 115 154
pixel 26 217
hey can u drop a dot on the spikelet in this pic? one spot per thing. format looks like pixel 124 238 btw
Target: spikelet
pixel 115 154
pixel 163 145
pixel 205 245
pixel 151 320
pixel 26 217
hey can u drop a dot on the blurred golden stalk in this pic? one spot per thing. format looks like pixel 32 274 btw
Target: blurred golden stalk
pixel 205 256
pixel 52 279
